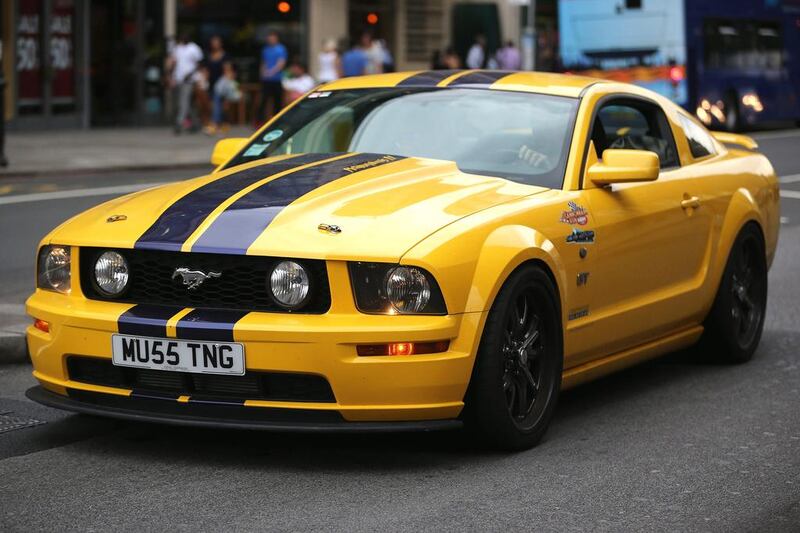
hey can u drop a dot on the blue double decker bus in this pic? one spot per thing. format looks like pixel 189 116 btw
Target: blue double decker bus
pixel 734 63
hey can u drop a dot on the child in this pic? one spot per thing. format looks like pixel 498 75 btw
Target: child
pixel 226 93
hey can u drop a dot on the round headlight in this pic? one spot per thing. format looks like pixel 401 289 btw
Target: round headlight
pixel 408 289
pixel 289 284
pixel 56 269
pixel 111 273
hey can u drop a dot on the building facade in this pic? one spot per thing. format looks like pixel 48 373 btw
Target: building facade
pixel 95 63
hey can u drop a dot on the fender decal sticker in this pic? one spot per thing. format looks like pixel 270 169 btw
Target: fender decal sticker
pixel 575 216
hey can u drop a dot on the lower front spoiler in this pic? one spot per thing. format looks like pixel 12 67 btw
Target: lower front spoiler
pixel 221 415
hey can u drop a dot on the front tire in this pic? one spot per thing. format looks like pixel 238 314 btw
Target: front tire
pixel 733 327
pixel 517 374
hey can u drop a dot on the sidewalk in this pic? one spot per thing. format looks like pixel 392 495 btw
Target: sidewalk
pixel 70 151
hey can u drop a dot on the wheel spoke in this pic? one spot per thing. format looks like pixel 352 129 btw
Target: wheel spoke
pixel 527 372
pixel 522 399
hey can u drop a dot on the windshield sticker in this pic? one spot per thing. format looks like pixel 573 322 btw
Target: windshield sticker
pixel 272 135
pixel 323 94
pixel 580 236
pixel 256 150
pixel 576 215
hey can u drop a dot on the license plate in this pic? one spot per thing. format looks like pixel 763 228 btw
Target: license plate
pixel 198 357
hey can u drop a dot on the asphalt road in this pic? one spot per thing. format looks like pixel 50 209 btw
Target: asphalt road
pixel 671 445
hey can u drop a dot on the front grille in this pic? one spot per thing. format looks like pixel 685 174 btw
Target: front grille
pixel 242 285
pixel 277 386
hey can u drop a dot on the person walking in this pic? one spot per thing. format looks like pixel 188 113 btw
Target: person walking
pixel 273 61
pixel 215 62
pixel 183 63
pixel 328 62
pixel 509 57
pixel 374 52
pixel 354 61
pixel 476 57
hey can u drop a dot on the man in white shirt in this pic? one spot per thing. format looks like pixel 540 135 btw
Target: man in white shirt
pixel 184 61
pixel 476 57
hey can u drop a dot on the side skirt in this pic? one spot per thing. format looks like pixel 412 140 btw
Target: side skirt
pixel 585 372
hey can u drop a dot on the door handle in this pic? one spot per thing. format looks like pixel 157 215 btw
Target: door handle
pixel 690 202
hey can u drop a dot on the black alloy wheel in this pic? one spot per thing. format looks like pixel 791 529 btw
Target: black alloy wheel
pixel 736 320
pixel 517 374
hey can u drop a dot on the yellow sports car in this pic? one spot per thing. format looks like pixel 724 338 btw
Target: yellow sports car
pixel 412 251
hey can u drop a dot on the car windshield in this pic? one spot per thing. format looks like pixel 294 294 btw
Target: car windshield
pixel 519 136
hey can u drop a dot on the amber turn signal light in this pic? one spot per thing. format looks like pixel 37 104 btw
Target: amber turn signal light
pixel 41 325
pixel 403 348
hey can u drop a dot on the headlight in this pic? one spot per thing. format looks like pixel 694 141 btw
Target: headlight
pixel 395 289
pixel 111 273
pixel 408 289
pixel 290 285
pixel 54 269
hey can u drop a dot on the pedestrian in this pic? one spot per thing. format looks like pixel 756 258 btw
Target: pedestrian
pixel 387 57
pixel 477 57
pixel 509 57
pixel 215 62
pixel 328 62
pixel 273 61
pixel 298 83
pixel 226 94
pixel 450 59
pixel 354 61
pixel 374 51
pixel 183 63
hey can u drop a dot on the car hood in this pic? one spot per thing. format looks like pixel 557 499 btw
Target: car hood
pixel 370 206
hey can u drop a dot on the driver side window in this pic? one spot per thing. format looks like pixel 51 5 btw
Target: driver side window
pixel 634 125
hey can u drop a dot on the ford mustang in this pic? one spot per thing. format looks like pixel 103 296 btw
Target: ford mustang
pixel 412 251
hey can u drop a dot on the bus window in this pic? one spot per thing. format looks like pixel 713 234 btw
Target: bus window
pixel 770 45
pixel 742 45
pixel 700 142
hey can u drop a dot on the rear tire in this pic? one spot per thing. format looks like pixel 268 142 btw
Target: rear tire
pixel 733 327
pixel 517 374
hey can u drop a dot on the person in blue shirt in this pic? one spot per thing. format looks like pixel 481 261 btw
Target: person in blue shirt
pixel 273 61
pixel 355 60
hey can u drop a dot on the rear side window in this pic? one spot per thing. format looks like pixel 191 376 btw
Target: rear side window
pixel 700 142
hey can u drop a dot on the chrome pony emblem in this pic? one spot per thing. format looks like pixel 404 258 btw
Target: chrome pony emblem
pixel 193 278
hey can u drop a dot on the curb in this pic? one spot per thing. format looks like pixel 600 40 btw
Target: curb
pixel 13 349
pixel 66 172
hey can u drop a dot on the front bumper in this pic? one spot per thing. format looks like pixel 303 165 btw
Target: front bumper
pixel 366 389
pixel 208 414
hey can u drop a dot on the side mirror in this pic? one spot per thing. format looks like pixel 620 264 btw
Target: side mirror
pixel 624 166
pixel 225 149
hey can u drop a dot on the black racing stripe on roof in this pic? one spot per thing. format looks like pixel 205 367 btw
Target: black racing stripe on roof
pixel 480 77
pixel 185 215
pixel 429 78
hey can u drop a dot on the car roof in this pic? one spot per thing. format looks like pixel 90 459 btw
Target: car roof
pixel 535 82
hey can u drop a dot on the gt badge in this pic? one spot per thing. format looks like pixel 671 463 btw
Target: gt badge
pixel 193 278
pixel 578 313
pixel 583 278
pixel 576 215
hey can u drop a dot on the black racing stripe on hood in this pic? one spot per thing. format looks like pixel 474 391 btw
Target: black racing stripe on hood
pixel 235 229
pixel 209 324
pixel 146 320
pixel 481 77
pixel 183 217
pixel 429 78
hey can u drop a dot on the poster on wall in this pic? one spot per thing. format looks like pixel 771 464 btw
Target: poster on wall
pixel 62 18
pixel 29 60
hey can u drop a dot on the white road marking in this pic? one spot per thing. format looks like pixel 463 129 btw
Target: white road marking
pixel 76 193
pixel 793 178
pixel 794 195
